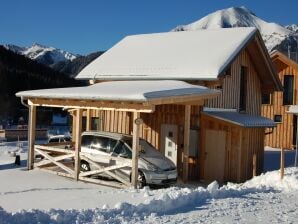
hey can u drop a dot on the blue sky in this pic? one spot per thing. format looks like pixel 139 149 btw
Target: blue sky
pixel 84 26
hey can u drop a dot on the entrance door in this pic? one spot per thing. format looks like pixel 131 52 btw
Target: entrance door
pixel 215 144
pixel 169 141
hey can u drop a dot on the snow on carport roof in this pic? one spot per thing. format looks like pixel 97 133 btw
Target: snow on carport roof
pixel 138 91
pixel 192 55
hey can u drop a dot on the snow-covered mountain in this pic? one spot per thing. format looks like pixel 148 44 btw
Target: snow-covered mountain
pixel 275 36
pixel 293 27
pixel 43 54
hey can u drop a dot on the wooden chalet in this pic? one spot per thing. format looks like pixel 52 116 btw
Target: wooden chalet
pixel 214 136
pixel 276 105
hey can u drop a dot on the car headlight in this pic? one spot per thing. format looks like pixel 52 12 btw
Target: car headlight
pixel 152 167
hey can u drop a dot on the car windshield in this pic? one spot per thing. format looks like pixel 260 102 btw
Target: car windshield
pixel 145 147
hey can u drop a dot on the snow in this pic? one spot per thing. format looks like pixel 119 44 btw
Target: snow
pixel 293 109
pixel 272 33
pixel 171 55
pixel 126 90
pixel 39 197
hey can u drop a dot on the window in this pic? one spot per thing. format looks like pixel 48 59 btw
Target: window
pixel 266 98
pixel 98 143
pixel 278 118
pixel 243 89
pixel 288 90
pixel 122 150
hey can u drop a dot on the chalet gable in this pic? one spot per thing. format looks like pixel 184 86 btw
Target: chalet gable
pixel 281 61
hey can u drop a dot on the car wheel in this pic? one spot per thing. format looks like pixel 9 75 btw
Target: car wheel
pixel 85 166
pixel 141 180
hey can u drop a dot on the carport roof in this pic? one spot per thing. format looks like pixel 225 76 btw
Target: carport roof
pixel 121 92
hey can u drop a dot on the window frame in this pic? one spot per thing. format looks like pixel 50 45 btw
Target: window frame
pixel 288 94
pixel 243 89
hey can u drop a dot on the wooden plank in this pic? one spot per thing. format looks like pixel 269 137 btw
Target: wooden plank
pixel 239 155
pixel 135 149
pixel 31 136
pixel 78 143
pixel 102 170
pixel 50 158
pixel 58 158
pixel 74 125
pixel 53 149
pixel 186 142
pixel 91 104
pixel 106 171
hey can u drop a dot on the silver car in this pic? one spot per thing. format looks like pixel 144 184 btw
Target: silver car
pixel 154 168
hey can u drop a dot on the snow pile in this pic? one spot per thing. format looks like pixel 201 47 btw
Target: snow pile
pixel 160 202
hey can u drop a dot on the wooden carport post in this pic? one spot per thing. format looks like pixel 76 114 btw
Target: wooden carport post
pixel 31 136
pixel 78 132
pixel 186 141
pixel 74 120
pixel 88 119
pixel 135 149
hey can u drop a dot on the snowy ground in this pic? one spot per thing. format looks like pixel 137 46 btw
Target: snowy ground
pixel 39 197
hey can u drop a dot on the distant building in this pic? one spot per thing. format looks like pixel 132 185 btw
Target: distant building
pixel 276 105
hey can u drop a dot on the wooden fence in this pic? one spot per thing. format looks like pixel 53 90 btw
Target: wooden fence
pixel 59 158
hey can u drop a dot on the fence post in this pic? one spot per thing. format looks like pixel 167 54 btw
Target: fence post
pixel 254 165
pixel 282 163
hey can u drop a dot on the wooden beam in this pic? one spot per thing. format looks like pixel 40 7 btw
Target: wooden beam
pixel 282 163
pixel 183 99
pixel 92 104
pixel 73 125
pixel 88 119
pixel 135 149
pixel 186 141
pixel 52 159
pixel 116 177
pixel 78 132
pixel 31 136
pixel 254 165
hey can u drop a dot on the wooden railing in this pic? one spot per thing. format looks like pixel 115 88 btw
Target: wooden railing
pixel 55 158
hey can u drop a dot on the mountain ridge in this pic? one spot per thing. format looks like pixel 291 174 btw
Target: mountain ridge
pixel 275 36
pixel 42 54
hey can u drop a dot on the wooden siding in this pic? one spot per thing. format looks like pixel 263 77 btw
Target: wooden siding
pixel 282 135
pixel 241 145
pixel 229 97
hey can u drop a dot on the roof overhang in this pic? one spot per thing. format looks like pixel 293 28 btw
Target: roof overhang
pixel 240 119
pixel 140 96
pixel 263 64
pixel 277 55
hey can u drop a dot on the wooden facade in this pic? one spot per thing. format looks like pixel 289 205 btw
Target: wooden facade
pixel 283 135
pixel 243 143
pixel 230 86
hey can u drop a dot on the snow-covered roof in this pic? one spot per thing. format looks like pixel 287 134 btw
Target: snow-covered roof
pixel 241 119
pixel 193 55
pixel 138 91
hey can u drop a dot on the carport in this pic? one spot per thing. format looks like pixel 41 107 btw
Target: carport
pixel 135 97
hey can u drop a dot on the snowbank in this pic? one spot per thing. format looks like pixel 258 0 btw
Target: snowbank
pixel 160 202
